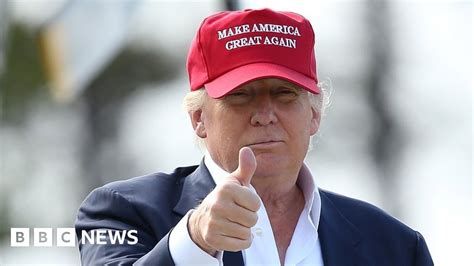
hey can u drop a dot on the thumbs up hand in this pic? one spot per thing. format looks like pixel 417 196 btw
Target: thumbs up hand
pixel 224 218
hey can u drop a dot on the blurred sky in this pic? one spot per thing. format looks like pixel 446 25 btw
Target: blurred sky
pixel 429 92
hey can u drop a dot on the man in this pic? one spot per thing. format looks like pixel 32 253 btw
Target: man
pixel 255 102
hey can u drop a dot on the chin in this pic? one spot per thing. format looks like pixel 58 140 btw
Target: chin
pixel 265 173
pixel 269 163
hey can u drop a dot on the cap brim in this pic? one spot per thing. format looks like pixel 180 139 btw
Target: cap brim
pixel 244 74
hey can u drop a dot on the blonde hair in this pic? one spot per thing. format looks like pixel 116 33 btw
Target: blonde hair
pixel 194 101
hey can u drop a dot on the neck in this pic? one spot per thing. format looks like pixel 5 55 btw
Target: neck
pixel 284 201
pixel 277 193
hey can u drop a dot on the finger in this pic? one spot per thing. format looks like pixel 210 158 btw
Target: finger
pixel 247 166
pixel 234 244
pixel 242 217
pixel 234 230
pixel 247 199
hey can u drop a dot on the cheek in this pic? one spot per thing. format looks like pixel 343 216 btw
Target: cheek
pixel 226 129
pixel 300 123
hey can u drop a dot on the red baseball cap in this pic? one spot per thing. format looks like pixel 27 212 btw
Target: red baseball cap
pixel 232 48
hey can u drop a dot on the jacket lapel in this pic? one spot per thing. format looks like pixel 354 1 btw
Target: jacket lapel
pixel 195 188
pixel 339 238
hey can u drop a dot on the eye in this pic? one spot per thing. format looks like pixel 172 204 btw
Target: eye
pixel 238 97
pixel 286 93
pixel 238 94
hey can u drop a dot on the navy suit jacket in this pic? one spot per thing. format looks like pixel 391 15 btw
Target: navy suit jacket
pixel 351 232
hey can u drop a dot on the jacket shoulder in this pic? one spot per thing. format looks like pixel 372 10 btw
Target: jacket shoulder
pixel 145 199
pixel 385 238
pixel 146 202
pixel 365 216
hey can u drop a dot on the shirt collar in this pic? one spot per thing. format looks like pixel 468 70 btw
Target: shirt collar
pixel 217 173
pixel 305 181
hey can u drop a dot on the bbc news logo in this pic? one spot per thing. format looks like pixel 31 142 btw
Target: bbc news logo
pixel 66 237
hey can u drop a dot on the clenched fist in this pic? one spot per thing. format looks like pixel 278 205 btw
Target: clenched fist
pixel 225 216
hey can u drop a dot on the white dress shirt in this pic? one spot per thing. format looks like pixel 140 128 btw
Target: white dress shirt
pixel 304 248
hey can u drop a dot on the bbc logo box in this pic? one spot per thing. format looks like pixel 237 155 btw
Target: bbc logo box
pixel 20 237
pixel 42 237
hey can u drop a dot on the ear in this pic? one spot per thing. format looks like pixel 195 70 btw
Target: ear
pixel 198 123
pixel 315 121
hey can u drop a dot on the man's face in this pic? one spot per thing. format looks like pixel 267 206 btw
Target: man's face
pixel 271 116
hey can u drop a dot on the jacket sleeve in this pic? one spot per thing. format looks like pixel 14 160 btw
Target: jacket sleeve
pixel 108 211
pixel 422 255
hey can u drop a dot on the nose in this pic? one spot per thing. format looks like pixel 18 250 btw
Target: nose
pixel 264 113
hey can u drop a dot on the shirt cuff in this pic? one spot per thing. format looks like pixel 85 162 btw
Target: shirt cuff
pixel 185 252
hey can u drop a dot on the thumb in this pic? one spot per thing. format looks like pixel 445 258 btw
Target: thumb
pixel 247 166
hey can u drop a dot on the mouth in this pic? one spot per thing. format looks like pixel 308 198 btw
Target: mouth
pixel 265 144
